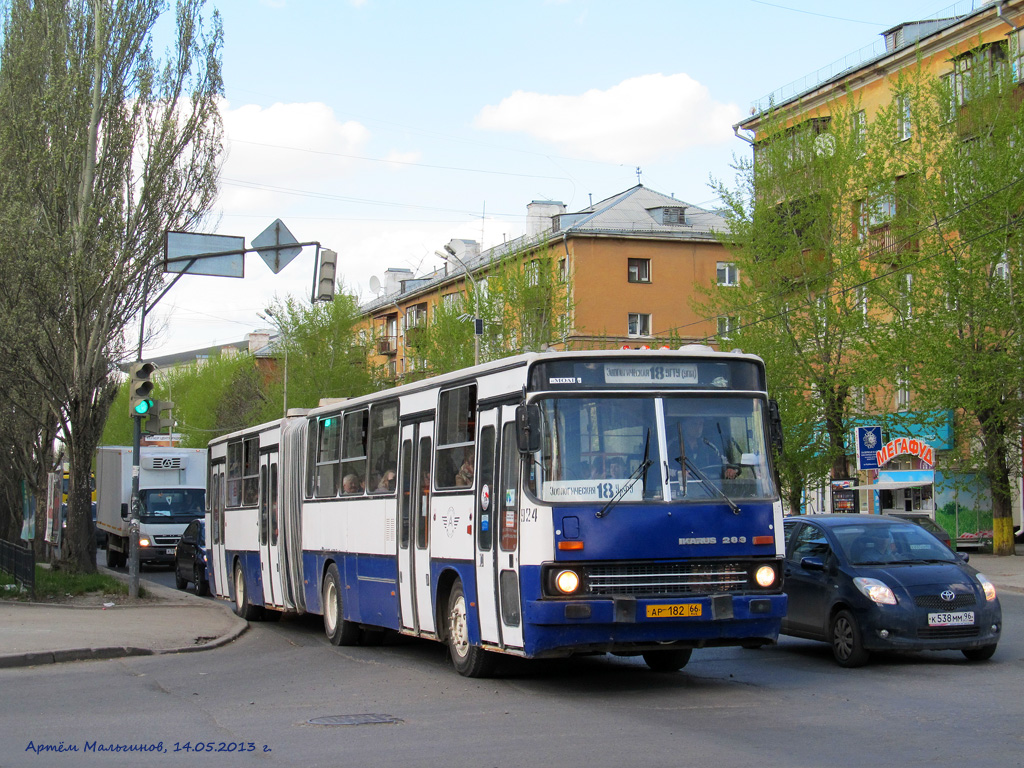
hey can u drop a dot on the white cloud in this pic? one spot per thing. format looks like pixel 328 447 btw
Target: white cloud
pixel 641 118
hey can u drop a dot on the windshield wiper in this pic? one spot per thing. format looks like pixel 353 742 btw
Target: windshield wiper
pixel 685 463
pixel 639 472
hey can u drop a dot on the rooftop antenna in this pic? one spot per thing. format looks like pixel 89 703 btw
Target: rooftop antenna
pixel 375 285
pixel 638 172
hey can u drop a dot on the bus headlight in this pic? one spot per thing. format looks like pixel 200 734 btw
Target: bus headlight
pixel 567 582
pixel 764 576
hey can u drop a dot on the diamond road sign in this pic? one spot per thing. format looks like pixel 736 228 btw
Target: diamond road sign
pixel 276 246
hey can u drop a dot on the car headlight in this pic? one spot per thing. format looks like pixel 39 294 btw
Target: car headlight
pixel 875 590
pixel 988 586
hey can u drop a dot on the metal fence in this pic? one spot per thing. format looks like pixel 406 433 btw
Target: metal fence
pixel 20 562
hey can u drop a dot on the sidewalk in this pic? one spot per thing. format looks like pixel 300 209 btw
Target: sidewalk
pixel 179 622
pixel 174 622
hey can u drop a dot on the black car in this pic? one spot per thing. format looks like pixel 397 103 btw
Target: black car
pixel 866 583
pixel 190 558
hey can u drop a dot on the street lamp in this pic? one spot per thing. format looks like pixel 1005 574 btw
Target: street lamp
pixel 478 323
pixel 280 329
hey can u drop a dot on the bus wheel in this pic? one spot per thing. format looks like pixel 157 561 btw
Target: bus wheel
pixel 243 607
pixel 339 631
pixel 668 661
pixel 469 660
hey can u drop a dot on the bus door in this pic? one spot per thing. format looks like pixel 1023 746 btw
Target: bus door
pixel 215 532
pixel 507 552
pixel 414 526
pixel 270 562
pixel 486 509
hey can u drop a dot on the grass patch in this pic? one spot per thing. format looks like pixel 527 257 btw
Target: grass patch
pixel 54 586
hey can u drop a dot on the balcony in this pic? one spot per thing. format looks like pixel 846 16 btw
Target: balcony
pixel 387 345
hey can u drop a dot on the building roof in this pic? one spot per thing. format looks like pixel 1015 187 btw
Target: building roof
pixel 903 36
pixel 636 212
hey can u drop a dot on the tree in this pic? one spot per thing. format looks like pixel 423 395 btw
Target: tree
pixel 523 299
pixel 796 231
pixel 102 149
pixel 964 339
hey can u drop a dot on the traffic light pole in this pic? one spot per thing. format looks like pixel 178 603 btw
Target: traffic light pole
pixel 133 513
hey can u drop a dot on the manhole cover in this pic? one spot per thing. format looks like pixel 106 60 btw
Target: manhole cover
pixel 353 720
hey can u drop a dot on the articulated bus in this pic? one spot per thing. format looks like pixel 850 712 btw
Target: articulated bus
pixel 542 505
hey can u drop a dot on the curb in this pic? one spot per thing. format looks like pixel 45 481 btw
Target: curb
pixel 36 658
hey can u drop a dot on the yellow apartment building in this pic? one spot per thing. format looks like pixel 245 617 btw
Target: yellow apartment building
pixel 632 264
pixel 968 35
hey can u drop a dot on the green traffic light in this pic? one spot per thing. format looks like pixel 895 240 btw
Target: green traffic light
pixel 143 406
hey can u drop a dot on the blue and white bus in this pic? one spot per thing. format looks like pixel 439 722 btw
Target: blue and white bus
pixel 541 505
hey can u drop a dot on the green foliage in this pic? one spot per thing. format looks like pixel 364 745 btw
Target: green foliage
pixel 793 232
pixel 57 585
pixel 523 301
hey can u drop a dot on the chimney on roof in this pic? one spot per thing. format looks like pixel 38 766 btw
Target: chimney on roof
pixel 539 215
pixel 393 277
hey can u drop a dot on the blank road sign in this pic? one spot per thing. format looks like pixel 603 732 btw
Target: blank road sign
pixel 199 254
pixel 276 246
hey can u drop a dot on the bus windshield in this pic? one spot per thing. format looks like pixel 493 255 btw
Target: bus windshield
pixel 593 448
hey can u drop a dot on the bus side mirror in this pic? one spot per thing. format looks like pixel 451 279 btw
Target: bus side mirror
pixel 775 426
pixel 528 428
pixel 124 511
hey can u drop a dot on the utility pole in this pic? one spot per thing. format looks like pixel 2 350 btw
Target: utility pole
pixel 478 323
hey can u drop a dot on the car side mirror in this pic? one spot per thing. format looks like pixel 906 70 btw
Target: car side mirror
pixel 963 557
pixel 812 564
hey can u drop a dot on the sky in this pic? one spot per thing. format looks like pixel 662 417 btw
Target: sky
pixel 384 129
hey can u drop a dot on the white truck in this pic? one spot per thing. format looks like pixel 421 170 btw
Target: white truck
pixel 172 493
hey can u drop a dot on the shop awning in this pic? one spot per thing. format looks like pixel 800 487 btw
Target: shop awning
pixel 891 485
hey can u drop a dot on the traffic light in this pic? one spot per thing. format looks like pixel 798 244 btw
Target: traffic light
pixel 325 279
pixel 156 422
pixel 140 387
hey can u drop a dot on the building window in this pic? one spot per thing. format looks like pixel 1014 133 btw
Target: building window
pixel 673 216
pixel 728 274
pixel 860 130
pixel 902 392
pixel 1002 268
pixel 639 325
pixel 727 327
pixel 416 316
pixel 639 270
pixel 903 123
pixel 533 272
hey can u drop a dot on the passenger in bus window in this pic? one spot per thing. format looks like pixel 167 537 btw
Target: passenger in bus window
pixel 616 468
pixel 351 484
pixel 387 480
pixel 464 477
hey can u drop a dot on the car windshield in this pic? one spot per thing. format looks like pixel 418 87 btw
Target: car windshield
pixel 594 447
pixel 888 544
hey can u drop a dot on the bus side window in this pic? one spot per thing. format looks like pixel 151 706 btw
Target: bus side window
pixel 328 438
pixel 508 498
pixel 353 453
pixel 487 501
pixel 383 456
pixel 456 436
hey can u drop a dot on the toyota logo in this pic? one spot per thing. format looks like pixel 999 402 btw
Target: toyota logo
pixel 948 595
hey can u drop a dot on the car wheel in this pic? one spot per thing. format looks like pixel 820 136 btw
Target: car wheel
pixel 243 607
pixel 847 646
pixel 179 582
pixel 979 654
pixel 668 661
pixel 199 579
pixel 339 631
pixel 468 659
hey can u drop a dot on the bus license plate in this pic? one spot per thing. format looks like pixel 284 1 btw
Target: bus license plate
pixel 958 619
pixel 673 611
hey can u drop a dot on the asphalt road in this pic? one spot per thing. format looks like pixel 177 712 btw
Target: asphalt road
pixel 255 701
